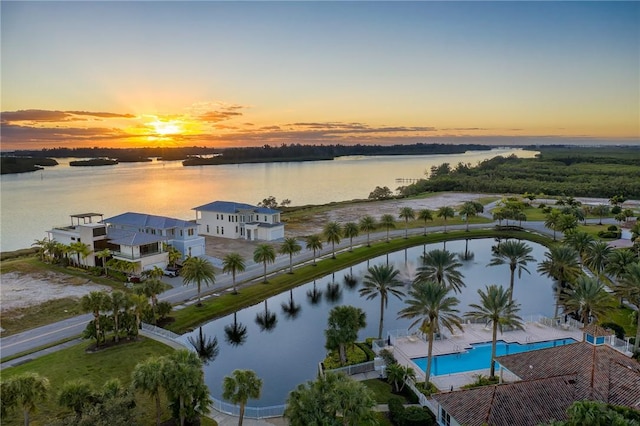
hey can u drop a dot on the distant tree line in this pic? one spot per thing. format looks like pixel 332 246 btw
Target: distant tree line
pixel 580 172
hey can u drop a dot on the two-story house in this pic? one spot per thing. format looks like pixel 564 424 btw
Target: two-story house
pixel 229 219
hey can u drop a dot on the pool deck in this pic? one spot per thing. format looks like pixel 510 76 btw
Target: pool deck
pixel 415 346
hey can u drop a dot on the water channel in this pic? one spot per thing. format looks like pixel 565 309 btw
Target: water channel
pixel 285 351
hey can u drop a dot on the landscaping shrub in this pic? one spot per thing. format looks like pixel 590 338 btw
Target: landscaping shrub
pixel 366 348
pixel 388 357
pixel 482 381
pixel 612 228
pixel 396 410
pixel 417 416
pixel 616 328
pixel 428 389
pixel 609 234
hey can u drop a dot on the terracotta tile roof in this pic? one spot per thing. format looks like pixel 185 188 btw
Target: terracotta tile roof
pixel 552 379
pixel 520 403
pixel 601 371
pixel 596 330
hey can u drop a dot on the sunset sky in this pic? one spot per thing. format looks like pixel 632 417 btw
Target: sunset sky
pixel 134 74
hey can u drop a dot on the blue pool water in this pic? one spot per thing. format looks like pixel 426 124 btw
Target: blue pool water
pixel 479 356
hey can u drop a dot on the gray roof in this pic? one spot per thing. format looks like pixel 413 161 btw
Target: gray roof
pixel 131 238
pixel 142 220
pixel 231 207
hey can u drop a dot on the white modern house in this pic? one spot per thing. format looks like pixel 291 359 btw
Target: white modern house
pixel 132 237
pixel 229 219
pixel 180 234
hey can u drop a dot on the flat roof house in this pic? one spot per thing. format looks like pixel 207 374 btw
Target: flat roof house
pixel 229 219
pixel 550 381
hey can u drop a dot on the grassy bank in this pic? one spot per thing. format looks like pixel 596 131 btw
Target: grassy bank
pixel 188 318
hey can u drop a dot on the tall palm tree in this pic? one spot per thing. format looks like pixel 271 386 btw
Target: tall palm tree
pixel 152 288
pixel 74 395
pixel 628 286
pixel 560 264
pixel 290 308
pixel 445 212
pixel 382 280
pixel 117 302
pixel 596 257
pixel 183 380
pixel 241 386
pixel 552 221
pixel 235 333
pixel 139 303
pixel 290 246
pixel 313 242
pixel 95 302
pixel 516 254
pixel 470 209
pixel 368 224
pixel 147 377
pixel 425 215
pixel 388 222
pixel 198 270
pixel 497 307
pixel 333 232
pixel 580 241
pixel 441 266
pixel 619 261
pixel 264 253
pixel 587 298
pixel 433 309
pixel 24 391
pixel 234 263
pixel 601 210
pixel 41 245
pixel 206 347
pixel 407 213
pixel 350 231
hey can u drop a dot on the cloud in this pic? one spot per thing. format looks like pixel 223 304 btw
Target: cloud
pixel 214 112
pixel 217 116
pixel 41 115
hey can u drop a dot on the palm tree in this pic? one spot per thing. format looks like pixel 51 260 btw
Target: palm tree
pixel 561 264
pixel 601 210
pixel 152 288
pixel 140 304
pixel 24 391
pixel 266 320
pixel 74 395
pixel 343 325
pixel 314 243
pixel 470 209
pixel 183 380
pixel 264 253
pixel 586 298
pixel 441 266
pixel 234 263
pixel 496 307
pixel 117 302
pixel 291 308
pixel 350 231
pixel 580 241
pixel 41 245
pixel 433 309
pixel 445 212
pixel 241 386
pixel 95 302
pixel 235 333
pixel 147 377
pixel 406 213
pixel 635 236
pixel 516 254
pixel 382 280
pixel 552 221
pixel 596 256
pixel 619 261
pixel 628 286
pixel 206 347
pixel 388 222
pixel 425 214
pixel 333 232
pixel 290 246
pixel 198 270
pixel 398 374
pixel 368 224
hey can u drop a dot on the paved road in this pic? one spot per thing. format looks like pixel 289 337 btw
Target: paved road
pixel 71 327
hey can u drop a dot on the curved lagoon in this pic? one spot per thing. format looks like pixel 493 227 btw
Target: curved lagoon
pixel 289 352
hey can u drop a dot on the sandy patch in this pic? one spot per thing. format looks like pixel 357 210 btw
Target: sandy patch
pixel 21 291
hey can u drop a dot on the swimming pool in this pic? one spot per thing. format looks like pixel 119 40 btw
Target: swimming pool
pixel 479 356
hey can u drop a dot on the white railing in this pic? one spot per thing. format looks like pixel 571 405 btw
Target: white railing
pixel 422 398
pixel 620 345
pixel 160 331
pixel 350 370
pixel 378 345
pixel 249 412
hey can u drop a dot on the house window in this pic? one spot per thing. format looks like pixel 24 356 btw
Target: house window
pixel 221 217
pixel 190 231
pixel 222 229
pixel 236 229
pixel 207 229
pixel 217 229
pixel 265 218
pixel 445 418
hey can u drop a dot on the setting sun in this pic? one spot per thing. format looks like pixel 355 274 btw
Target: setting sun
pixel 164 128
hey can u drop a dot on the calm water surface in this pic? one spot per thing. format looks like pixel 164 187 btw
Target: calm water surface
pixel 289 353
pixel 33 203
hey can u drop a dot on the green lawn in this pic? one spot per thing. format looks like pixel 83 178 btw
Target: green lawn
pixel 74 363
pixel 622 317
